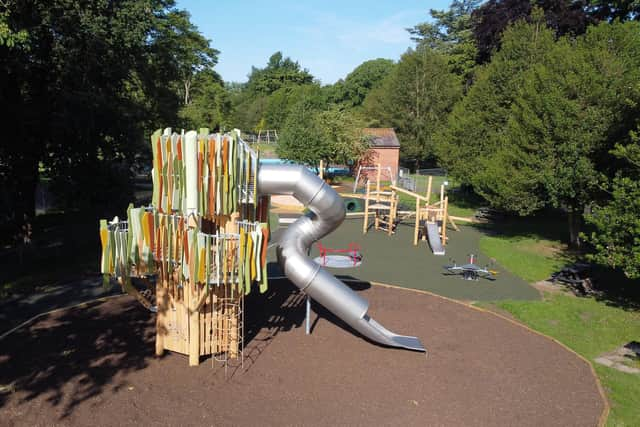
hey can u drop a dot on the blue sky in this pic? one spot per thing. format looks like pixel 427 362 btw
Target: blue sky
pixel 329 38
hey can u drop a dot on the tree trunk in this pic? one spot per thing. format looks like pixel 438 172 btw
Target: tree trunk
pixel 575 222
pixel 187 87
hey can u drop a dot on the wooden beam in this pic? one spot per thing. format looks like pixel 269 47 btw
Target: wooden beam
pixel 429 182
pixel 410 193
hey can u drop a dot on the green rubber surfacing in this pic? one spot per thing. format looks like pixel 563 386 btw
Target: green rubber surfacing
pixel 394 260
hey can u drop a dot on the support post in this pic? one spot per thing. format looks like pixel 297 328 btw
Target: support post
pixel 365 225
pixel 378 183
pixel 444 221
pixel 161 323
pixel 429 182
pixel 308 316
pixel 194 324
pixel 417 227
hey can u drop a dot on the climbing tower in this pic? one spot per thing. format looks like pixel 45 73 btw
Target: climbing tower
pixel 200 246
pixel 380 203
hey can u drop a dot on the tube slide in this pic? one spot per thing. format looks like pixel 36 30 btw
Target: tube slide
pixel 327 213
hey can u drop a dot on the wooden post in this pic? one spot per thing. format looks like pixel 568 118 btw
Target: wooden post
pixel 378 183
pixel 321 169
pixel 392 213
pixel 444 220
pixel 365 225
pixel 191 297
pixel 428 195
pixel 161 316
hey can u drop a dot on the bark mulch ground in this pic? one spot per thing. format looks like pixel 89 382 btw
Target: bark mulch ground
pixel 95 366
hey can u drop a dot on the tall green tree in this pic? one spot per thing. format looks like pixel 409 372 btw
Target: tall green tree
pixel 209 103
pixel 280 71
pixel 364 78
pixel 494 16
pixel 334 135
pixel 451 32
pixel 615 235
pixel 84 80
pixel 415 100
pixel 535 129
pixel 301 139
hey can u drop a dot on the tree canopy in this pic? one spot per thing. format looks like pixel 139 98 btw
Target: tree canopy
pixel 415 99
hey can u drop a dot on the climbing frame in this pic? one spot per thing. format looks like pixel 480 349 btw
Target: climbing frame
pixel 203 241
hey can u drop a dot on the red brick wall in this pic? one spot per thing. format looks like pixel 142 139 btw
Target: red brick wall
pixel 387 157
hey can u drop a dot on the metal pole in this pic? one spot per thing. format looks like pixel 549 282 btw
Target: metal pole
pixel 308 325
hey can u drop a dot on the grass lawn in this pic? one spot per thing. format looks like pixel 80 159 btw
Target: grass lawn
pixel 532 249
pixel 590 328
pixel 266 150
pixel 530 258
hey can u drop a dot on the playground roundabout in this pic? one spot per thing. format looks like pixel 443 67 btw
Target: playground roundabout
pixel 95 365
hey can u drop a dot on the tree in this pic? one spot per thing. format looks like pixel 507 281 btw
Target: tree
pixel 473 129
pixel 494 16
pixel 280 102
pixel 334 135
pixel 616 224
pixel 536 127
pixel 451 33
pixel 343 135
pixel 84 84
pixel 415 99
pixel 301 139
pixel 279 72
pixel 209 104
pixel 185 49
pixel 363 79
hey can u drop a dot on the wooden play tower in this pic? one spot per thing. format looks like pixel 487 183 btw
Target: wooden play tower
pixel 200 246
pixel 380 203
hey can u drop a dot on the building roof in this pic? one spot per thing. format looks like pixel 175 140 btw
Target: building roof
pixel 382 137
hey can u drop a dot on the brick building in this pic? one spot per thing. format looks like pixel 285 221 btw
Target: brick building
pixel 384 149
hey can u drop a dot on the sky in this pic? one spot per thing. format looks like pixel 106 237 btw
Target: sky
pixel 329 38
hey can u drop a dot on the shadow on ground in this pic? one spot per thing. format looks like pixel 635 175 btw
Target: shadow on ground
pixel 76 354
pixel 81 353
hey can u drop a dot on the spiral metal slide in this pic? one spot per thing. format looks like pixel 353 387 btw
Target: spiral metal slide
pixel 326 213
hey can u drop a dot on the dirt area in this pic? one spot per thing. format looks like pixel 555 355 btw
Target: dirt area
pixel 96 366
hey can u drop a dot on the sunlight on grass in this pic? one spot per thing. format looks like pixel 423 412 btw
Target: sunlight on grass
pixel 590 328
pixel 530 258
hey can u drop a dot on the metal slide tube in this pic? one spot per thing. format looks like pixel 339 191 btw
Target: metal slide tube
pixel 327 213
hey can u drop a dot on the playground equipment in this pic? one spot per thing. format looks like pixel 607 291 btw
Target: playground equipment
pixel 381 203
pixel 471 271
pixel 353 257
pixel 204 241
pixel 383 206
pixel 381 173
pixel 326 213
pixel 431 218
